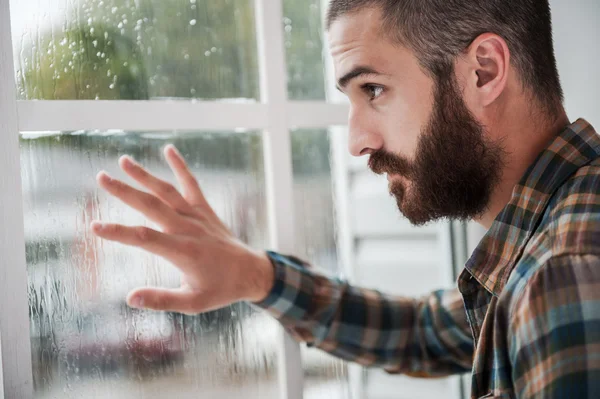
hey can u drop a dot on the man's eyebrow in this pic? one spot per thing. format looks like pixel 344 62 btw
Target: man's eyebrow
pixel 356 72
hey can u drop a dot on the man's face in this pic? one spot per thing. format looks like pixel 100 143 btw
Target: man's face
pixel 416 129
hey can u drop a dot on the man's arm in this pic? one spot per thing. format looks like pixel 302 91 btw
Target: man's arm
pixel 425 337
pixel 399 334
pixel 554 334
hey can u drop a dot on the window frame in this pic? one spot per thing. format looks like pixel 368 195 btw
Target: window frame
pixel 275 115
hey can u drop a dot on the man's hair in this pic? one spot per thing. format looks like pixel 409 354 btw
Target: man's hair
pixel 439 30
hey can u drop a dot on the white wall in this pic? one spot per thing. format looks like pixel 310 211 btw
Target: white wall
pixel 576 35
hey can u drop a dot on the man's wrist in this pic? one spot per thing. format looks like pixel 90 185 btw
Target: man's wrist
pixel 262 277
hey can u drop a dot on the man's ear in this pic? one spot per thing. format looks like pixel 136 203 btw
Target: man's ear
pixel 486 66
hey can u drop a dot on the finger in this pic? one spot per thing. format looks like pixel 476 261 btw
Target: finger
pixel 152 207
pixel 164 299
pixel 189 184
pixel 162 189
pixel 168 246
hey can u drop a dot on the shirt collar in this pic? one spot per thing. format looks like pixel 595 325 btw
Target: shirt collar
pixel 495 256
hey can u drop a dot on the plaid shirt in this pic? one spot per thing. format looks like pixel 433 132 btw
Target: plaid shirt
pixel 526 316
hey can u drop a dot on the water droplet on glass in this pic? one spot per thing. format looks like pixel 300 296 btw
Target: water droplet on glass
pixel 193 22
pixel 114 10
pixel 207 53
pixel 214 49
pixel 288 28
pixel 111 86
pixel 186 57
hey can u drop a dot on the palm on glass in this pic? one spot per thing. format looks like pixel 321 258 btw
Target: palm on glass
pixel 217 268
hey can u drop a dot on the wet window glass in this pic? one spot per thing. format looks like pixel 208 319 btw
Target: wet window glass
pixel 303 39
pixel 135 49
pixel 85 341
pixel 325 376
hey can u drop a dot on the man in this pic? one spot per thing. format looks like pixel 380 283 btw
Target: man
pixel 459 102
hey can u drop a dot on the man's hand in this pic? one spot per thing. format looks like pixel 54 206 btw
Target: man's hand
pixel 217 268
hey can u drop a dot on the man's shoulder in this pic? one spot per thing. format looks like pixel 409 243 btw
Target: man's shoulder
pixel 568 234
pixel 571 224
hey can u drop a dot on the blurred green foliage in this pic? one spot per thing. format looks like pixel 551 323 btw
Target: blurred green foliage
pixel 140 49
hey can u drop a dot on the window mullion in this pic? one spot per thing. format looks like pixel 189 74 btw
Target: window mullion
pixel 15 347
pixel 68 115
pixel 278 167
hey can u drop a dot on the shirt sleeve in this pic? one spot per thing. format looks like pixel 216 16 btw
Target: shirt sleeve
pixel 554 334
pixel 424 337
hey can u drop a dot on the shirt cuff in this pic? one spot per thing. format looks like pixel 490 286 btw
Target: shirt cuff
pixel 290 296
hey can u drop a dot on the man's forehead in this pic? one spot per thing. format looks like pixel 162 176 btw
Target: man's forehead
pixel 354 29
pixel 354 40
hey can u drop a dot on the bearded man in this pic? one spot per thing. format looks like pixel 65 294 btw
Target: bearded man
pixel 459 102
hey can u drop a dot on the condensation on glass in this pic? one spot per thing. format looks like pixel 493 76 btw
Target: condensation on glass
pixel 156 49
pixel 86 343
pixel 326 377
pixel 135 49
pixel 303 39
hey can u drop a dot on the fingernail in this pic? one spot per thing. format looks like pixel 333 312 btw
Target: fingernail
pixel 129 159
pixel 104 175
pixel 171 146
pixel 98 226
pixel 137 302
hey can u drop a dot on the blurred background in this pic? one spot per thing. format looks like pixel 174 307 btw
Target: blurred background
pixel 86 343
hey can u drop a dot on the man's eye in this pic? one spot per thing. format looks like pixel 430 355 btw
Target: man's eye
pixel 373 91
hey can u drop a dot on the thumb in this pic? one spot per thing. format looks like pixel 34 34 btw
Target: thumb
pixel 164 299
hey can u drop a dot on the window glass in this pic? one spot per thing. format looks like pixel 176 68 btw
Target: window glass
pixel 85 341
pixel 303 38
pixel 135 49
pixel 325 376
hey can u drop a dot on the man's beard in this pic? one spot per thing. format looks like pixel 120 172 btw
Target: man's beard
pixel 456 166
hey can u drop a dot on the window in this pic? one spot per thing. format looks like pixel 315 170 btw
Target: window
pixel 135 50
pixel 84 338
pixel 243 88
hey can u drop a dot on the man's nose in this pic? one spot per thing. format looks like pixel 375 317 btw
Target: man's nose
pixel 364 138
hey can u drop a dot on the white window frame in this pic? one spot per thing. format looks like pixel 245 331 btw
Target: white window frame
pixel 275 115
